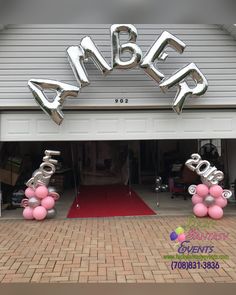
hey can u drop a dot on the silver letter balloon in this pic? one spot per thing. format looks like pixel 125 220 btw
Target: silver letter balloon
pixel 78 55
pixel 183 89
pixel 131 46
pixel 52 108
pixel 157 52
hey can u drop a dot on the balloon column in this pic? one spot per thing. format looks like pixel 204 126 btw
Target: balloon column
pixel 209 197
pixel 40 199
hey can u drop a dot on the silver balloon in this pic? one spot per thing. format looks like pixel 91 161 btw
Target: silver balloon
pixel 47 168
pixel 91 51
pixel 33 202
pixel 216 178
pixel 192 189
pixel 209 200
pixel 227 194
pixel 157 189
pixel 52 108
pixel 183 89
pixel 164 187
pixel 158 180
pixel 51 213
pixel 157 52
pixel 48 156
pixel 53 193
pixel 35 172
pixel 37 179
pixel 77 55
pixel 191 163
pixel 76 58
pixel 52 189
pixel 131 46
pixel 206 181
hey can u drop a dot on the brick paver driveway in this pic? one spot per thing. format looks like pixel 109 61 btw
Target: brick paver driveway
pixel 105 250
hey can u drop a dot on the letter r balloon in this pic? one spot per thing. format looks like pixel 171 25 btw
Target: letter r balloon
pixel 183 89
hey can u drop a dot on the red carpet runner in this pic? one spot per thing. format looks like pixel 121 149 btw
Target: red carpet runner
pixel 107 201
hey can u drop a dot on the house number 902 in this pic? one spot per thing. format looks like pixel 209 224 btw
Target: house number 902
pixel 121 100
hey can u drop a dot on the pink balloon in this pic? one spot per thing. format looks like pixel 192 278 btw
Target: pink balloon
pixel 196 199
pixel 221 202
pixel 202 190
pixel 48 203
pixel 215 212
pixel 181 238
pixel 39 213
pixel 200 210
pixel 216 191
pixel 28 213
pixel 29 192
pixel 41 192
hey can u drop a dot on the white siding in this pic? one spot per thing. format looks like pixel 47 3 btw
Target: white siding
pixel 38 51
pixel 113 125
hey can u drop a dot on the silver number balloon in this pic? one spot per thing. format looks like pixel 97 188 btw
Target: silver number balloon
pixel 47 168
pixel 206 181
pixel 33 202
pixel 77 55
pixel 157 52
pixel 130 46
pixel 52 108
pixel 42 175
pixel 38 179
pixel 183 89
pixel 48 156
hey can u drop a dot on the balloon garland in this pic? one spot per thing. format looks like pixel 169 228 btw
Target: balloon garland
pixel 79 54
pixel 40 199
pixel 209 198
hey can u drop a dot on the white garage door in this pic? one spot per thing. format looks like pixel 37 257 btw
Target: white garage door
pixel 114 125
